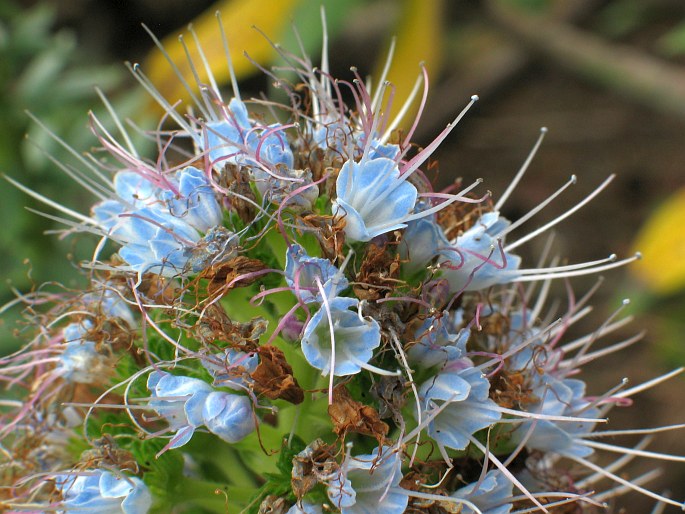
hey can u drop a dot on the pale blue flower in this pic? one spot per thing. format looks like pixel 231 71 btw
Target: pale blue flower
pixel 302 272
pixel 490 494
pixel 281 191
pixel 372 198
pixel 422 240
pixel 238 140
pixel 305 508
pixel 558 398
pixel 228 416
pixel 354 338
pixel 189 403
pixel 231 367
pixel 435 345
pixel 103 492
pixel 475 261
pixel 180 401
pixel 332 133
pixel 110 303
pixel 368 484
pixel 341 136
pixel 468 408
pixel 80 362
pixel 161 229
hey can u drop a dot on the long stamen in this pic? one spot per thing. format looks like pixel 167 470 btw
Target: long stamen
pixel 521 171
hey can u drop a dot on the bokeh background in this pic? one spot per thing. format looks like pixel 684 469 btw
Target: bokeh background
pixel 606 77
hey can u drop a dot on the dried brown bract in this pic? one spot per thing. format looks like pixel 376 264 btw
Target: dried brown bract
pixel 349 415
pixel 312 465
pixel 379 272
pixel 216 326
pixel 274 378
pixel 330 232
pixel 238 272
pixel 236 182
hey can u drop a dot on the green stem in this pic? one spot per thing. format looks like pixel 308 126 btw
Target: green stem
pixel 210 495
pixel 229 462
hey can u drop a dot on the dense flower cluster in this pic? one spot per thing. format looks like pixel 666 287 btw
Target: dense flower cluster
pixel 294 321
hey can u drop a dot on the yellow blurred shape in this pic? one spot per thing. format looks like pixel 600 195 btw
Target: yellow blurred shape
pixel 239 17
pixel 662 243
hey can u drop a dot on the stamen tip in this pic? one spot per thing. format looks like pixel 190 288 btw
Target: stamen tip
pixel 638 255
pixel 626 301
pixel 574 179
pixel 543 130
pixel 475 98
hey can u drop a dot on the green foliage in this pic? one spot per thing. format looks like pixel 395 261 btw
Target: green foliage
pixel 673 42
pixel 45 72
pixel 278 484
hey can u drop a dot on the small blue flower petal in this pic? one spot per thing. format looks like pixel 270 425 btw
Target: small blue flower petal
pixel 302 271
pixel 228 416
pixel 372 198
pixel 160 228
pixel 435 345
pixel 369 484
pixel 103 492
pixel 469 409
pixel 305 508
pixel 354 339
pixel 476 261
pixel 180 401
pixel 490 494
pixel 421 242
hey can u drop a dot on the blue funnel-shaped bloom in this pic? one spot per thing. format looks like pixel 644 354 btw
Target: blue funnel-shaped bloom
pixel 302 271
pixel 490 495
pixel 103 492
pixel 161 230
pixel 237 140
pixel 228 416
pixel 369 484
pixel 435 345
pixel 354 339
pixel 230 368
pixel 372 198
pixel 476 261
pixel 468 408
pixel 180 401
pixel 558 398
pixel 80 362
pixel 422 241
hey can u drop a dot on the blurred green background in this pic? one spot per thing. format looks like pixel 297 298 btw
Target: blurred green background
pixel 607 78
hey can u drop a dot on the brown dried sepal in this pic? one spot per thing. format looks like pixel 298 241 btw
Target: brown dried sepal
pixel 274 378
pixel 215 326
pixel 349 415
pixel 379 272
pixel 330 232
pixel 273 504
pixel 412 481
pixel 389 391
pixel 313 464
pixel 106 453
pixel 509 389
pixel 225 276
pixel 236 181
pixel 458 217
pixel 159 289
